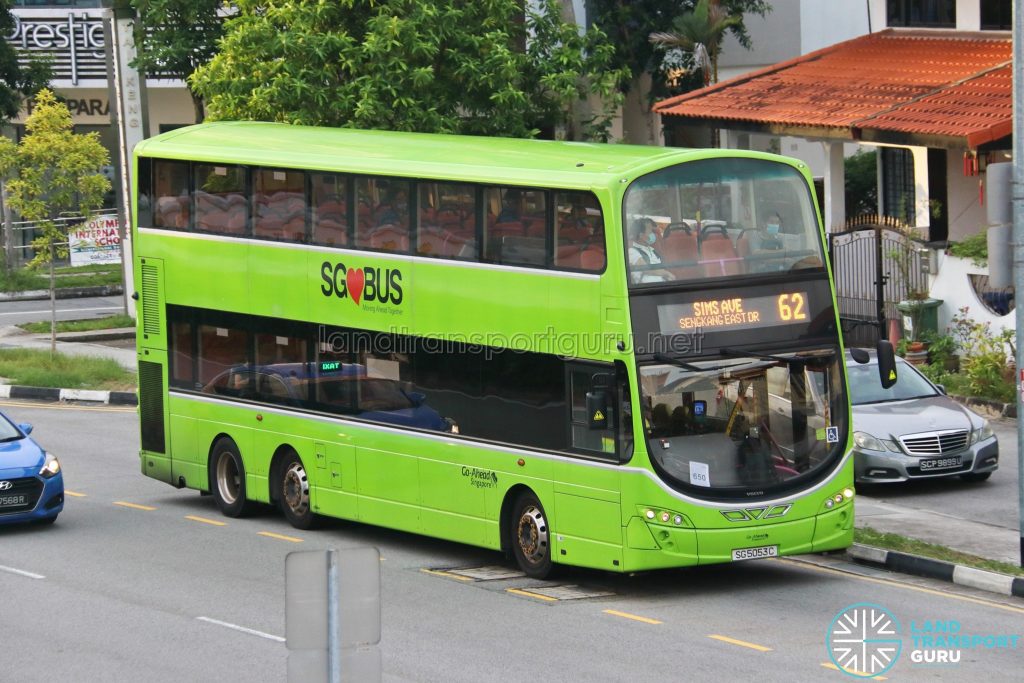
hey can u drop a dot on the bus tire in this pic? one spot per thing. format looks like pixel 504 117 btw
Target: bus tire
pixel 293 493
pixel 227 479
pixel 529 536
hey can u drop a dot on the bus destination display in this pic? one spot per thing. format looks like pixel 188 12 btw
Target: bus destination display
pixel 733 313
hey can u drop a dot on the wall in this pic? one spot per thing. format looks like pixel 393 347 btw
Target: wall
pixel 952 286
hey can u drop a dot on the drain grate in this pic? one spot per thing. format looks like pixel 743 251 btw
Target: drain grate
pixel 489 573
pixel 567 592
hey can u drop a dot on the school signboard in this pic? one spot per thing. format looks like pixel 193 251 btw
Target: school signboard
pixel 95 241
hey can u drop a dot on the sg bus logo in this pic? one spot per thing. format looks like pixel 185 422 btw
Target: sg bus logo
pixel 383 285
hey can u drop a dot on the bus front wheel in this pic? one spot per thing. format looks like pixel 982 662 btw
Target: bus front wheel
pixel 529 536
pixel 293 492
pixel 227 479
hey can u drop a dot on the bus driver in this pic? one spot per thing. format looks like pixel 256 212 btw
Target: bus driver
pixel 643 234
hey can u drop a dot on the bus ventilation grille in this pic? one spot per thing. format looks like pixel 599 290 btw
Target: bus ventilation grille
pixel 150 299
pixel 151 406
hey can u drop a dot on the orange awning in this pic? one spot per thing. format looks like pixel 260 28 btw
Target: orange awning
pixel 930 88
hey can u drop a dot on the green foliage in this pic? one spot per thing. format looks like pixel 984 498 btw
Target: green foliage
pixel 55 171
pixel 974 247
pixel 20 281
pixel 861 171
pixel 629 25
pixel 33 368
pixel 698 33
pixel 174 38
pixel 984 363
pixel 109 322
pixel 448 66
pixel 17 82
pixel 913 546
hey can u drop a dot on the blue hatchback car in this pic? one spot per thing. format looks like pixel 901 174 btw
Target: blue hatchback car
pixel 31 484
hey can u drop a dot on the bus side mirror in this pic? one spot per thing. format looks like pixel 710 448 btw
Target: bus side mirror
pixel 598 405
pixel 886 363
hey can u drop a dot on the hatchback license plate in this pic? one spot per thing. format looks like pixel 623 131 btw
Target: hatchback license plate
pixel 755 553
pixel 942 463
pixel 11 501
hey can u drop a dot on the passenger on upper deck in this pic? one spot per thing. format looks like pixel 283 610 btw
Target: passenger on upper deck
pixel 643 235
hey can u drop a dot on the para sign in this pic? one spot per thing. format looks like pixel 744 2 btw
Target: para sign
pixel 95 241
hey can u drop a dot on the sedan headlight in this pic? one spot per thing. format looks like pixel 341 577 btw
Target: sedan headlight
pixel 51 467
pixel 982 433
pixel 867 442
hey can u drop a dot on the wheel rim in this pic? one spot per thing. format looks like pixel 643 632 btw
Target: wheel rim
pixel 532 535
pixel 229 484
pixel 295 489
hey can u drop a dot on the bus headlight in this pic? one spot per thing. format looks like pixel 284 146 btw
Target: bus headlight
pixel 51 467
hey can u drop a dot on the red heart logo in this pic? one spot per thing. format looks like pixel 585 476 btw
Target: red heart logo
pixel 354 281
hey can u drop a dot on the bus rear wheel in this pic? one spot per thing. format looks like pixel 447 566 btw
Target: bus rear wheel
pixel 530 537
pixel 293 493
pixel 227 479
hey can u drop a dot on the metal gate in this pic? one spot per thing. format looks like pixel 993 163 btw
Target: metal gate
pixel 875 268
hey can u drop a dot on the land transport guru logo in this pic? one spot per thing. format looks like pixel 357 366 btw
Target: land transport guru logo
pixel 864 640
pixel 362 286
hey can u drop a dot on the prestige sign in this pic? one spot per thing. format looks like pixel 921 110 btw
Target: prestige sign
pixel 74 42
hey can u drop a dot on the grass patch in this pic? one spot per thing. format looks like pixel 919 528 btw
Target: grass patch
pixel 22 280
pixel 932 550
pixel 91 268
pixel 33 368
pixel 108 323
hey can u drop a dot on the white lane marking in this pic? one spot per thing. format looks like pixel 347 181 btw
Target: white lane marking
pixel 243 629
pixel 21 572
pixel 66 310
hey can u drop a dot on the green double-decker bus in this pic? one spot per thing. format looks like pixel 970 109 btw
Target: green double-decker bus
pixel 607 356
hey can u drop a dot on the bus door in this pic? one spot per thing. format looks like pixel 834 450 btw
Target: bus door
pixel 152 358
pixel 587 514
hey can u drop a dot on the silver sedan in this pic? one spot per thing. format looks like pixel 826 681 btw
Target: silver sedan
pixel 912 430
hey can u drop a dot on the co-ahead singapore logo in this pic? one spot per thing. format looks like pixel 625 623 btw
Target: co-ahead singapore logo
pixel 864 640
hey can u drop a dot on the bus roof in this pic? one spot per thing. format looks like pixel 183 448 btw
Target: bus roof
pixel 481 159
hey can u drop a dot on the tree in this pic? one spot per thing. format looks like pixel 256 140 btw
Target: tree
pixel 16 83
pixel 174 38
pixel 699 33
pixel 861 175
pixel 55 172
pixel 450 66
pixel 629 23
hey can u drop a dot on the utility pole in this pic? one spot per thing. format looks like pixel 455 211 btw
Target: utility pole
pixel 128 115
pixel 1018 245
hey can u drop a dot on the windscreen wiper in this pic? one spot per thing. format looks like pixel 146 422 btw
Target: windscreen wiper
pixel 733 353
pixel 11 438
pixel 665 358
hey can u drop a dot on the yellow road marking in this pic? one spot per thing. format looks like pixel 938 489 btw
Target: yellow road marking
pixel 61 406
pixel 447 575
pixel 214 522
pixel 74 493
pixel 741 643
pixel 270 534
pixel 897 584
pixel 634 617
pixel 829 665
pixel 133 505
pixel 528 594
